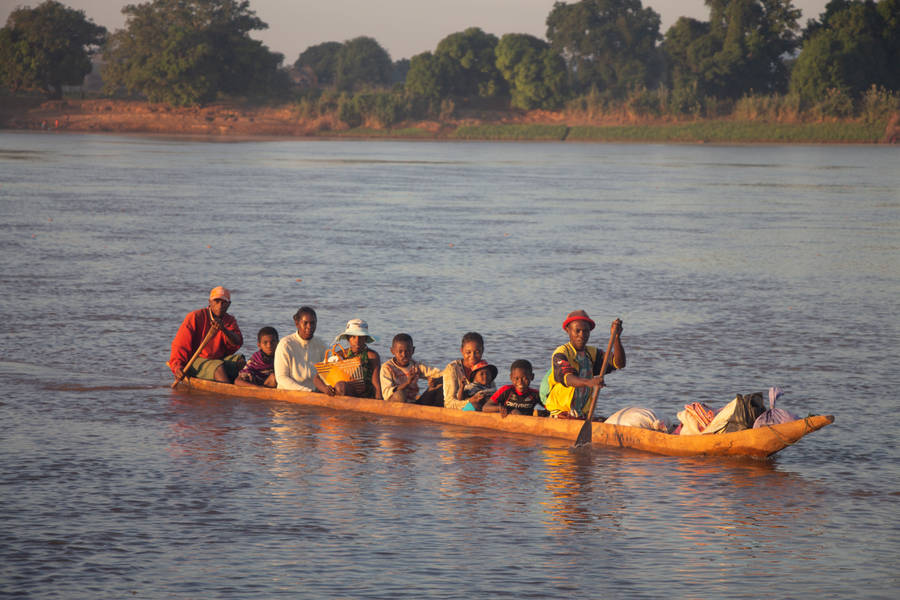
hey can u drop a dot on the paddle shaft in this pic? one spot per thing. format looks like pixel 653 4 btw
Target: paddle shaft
pixel 584 436
pixel 187 365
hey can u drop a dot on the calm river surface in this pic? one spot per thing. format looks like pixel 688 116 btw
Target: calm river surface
pixel 733 269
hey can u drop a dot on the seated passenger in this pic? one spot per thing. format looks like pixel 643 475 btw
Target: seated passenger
pixel 357 335
pixel 518 398
pixel 480 386
pixel 400 375
pixel 456 374
pixel 575 367
pixel 260 369
pixel 217 360
pixel 297 354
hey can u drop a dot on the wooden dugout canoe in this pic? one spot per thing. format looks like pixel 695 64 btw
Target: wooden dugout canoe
pixel 756 443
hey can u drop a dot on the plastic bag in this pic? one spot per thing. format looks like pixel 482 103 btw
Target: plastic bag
pixel 774 416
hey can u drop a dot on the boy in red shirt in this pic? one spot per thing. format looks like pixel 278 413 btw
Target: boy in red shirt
pixel 517 398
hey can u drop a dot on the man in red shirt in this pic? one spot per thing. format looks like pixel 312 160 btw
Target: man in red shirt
pixel 217 361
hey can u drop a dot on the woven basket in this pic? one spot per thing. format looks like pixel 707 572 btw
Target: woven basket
pixel 333 369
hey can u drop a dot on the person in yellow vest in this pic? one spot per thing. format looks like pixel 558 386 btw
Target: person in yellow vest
pixel 575 367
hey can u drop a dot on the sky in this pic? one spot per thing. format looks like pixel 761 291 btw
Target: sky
pixel 402 27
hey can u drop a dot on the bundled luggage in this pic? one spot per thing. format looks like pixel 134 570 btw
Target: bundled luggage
pixel 774 416
pixel 634 416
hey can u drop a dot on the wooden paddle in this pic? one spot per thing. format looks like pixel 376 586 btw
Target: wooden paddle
pixel 187 365
pixel 584 436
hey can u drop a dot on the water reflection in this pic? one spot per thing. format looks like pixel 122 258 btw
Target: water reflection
pixel 580 490
pixel 201 430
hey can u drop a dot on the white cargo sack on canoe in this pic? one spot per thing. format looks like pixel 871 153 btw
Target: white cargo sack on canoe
pixel 634 416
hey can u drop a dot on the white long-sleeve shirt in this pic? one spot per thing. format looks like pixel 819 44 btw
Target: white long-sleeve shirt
pixel 295 360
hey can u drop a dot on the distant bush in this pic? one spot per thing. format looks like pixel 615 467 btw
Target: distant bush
pixel 685 100
pixel 768 107
pixel 878 104
pixel 348 112
pixel 642 102
pixel 837 103
pixel 388 109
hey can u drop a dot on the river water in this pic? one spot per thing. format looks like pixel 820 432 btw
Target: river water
pixel 734 268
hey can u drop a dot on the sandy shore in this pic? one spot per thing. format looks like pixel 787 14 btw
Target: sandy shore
pixel 242 121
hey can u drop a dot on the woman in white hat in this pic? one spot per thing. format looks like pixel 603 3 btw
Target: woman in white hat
pixel 357 335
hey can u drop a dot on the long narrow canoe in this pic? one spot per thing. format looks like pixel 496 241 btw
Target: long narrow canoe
pixel 756 443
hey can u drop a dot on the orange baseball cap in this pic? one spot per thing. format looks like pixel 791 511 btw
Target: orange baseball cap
pixel 220 293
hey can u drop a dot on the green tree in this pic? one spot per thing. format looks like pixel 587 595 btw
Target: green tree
pixel 47 47
pixel 890 15
pixel 362 62
pixel 399 71
pixel 851 49
pixel 688 49
pixel 427 77
pixel 322 59
pixel 741 49
pixel 186 52
pixel 535 74
pixel 609 45
pixel 468 64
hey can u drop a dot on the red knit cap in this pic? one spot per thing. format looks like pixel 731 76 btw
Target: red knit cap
pixel 578 315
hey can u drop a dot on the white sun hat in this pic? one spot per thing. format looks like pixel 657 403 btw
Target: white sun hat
pixel 356 327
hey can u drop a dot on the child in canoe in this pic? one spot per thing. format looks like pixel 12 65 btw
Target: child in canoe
pixel 400 375
pixel 260 369
pixel 456 374
pixel 357 335
pixel 480 386
pixel 518 398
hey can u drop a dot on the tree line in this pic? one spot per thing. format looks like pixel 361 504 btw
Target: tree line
pixel 191 52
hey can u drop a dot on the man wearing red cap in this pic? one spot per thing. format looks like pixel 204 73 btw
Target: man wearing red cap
pixel 575 367
pixel 216 360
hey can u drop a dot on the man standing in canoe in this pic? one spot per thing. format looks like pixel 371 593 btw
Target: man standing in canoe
pixel 217 360
pixel 575 367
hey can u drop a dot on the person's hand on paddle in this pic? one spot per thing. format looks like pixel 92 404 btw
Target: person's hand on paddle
pixel 216 324
pixel 179 374
pixel 616 327
pixel 597 381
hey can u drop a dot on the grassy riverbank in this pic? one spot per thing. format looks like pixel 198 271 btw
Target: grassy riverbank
pixel 284 121
pixel 708 131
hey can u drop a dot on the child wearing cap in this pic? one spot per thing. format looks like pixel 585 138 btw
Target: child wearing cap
pixel 480 386
pixel 575 367
pixel 357 335
pixel 260 369
pixel 518 398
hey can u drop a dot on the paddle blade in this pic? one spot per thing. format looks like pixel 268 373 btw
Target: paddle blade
pixel 584 436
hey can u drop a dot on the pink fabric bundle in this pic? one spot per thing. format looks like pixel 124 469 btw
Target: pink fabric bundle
pixel 701 413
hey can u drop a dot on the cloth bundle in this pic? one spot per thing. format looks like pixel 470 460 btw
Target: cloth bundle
pixel 695 417
pixel 634 416
pixel 774 416
pixel 739 414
